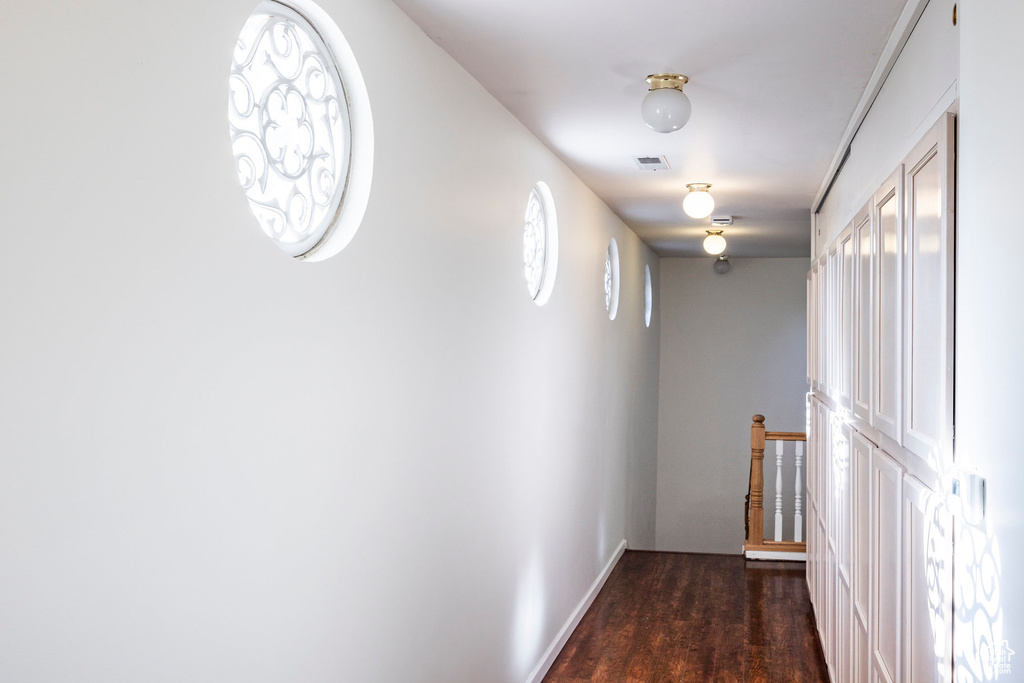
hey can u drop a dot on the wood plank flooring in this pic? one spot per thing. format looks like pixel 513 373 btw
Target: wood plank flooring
pixel 686 617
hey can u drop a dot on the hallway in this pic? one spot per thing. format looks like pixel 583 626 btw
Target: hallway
pixel 687 617
pixel 263 431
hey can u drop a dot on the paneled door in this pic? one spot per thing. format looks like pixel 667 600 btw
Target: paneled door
pixel 863 247
pixel 886 564
pixel 928 302
pixel 888 305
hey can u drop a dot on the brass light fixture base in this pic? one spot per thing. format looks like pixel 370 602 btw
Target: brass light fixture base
pixel 698 187
pixel 658 81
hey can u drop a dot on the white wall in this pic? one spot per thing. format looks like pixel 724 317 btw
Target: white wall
pixel 921 85
pixel 732 346
pixel 990 368
pixel 217 464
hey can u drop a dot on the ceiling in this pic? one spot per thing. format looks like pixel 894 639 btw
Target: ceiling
pixel 773 87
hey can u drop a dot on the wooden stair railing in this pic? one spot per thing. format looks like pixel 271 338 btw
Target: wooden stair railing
pixel 756 547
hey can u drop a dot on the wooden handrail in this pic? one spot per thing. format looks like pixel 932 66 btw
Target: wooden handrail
pixel 784 436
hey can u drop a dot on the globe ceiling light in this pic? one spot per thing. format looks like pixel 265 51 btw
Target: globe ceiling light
pixel 714 243
pixel 721 264
pixel 665 108
pixel 698 202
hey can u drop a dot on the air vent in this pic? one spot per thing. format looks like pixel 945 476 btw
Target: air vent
pixel 719 221
pixel 652 163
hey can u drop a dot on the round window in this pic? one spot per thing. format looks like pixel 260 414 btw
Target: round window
pixel 301 129
pixel 648 295
pixel 611 279
pixel 540 243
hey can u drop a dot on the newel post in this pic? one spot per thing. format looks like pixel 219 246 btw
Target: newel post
pixel 755 522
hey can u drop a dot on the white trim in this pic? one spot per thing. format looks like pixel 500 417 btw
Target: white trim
pixel 897 40
pixel 558 643
pixel 775 555
pixel 944 104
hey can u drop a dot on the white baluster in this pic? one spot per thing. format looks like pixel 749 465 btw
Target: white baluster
pixel 798 515
pixel 778 489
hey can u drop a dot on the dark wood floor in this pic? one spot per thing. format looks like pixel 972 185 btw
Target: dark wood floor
pixel 683 617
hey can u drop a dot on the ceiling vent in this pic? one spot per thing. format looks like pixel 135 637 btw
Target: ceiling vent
pixel 719 221
pixel 652 163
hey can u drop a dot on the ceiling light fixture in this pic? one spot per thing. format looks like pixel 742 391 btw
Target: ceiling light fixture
pixel 721 265
pixel 665 108
pixel 698 202
pixel 714 243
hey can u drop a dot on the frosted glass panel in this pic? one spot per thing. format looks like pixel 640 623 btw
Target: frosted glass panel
pixel 648 296
pixel 540 243
pixel 301 128
pixel 534 243
pixel 289 127
pixel 611 279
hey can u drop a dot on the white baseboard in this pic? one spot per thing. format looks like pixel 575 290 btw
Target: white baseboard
pixel 775 555
pixel 558 643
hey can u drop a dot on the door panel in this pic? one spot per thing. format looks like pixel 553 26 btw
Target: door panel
pixel 829 506
pixel 844 345
pixel 832 320
pixel 928 331
pixel 843 485
pixel 887 366
pixel 861 450
pixel 886 507
pixel 810 328
pixel 927 585
pixel 822 346
pixel 863 314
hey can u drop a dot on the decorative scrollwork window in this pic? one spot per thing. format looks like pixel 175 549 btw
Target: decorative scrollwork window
pixel 301 129
pixel 608 280
pixel 540 243
pixel 611 279
pixel 648 295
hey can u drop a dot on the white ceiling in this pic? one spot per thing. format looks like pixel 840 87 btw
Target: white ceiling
pixel 773 87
